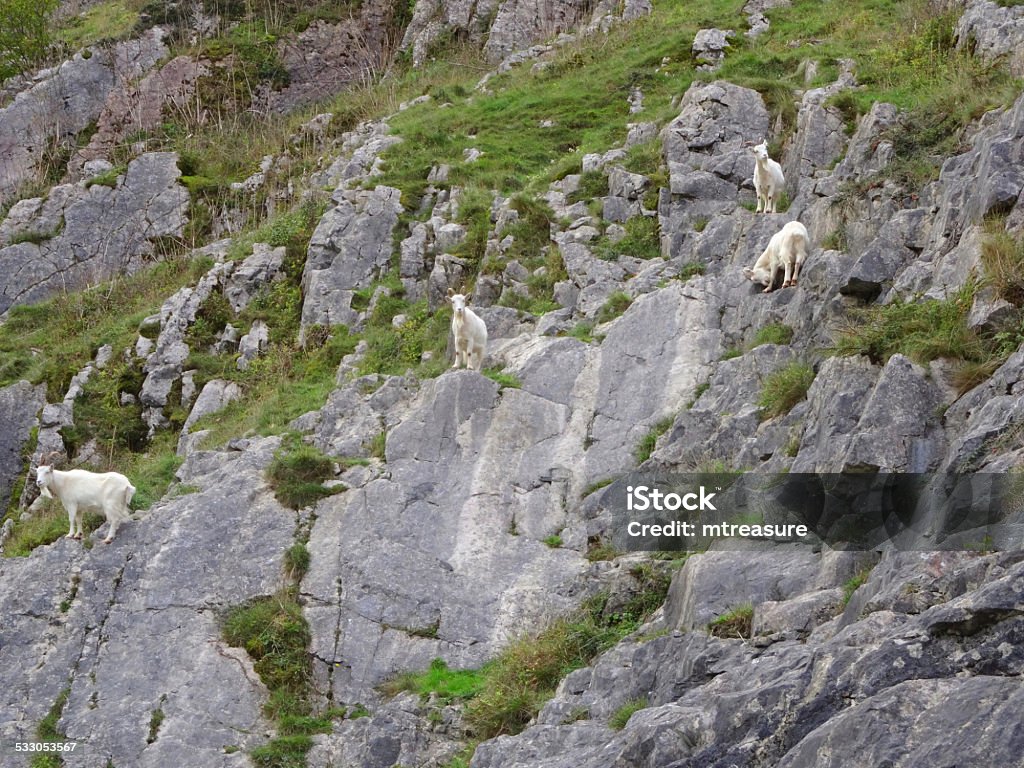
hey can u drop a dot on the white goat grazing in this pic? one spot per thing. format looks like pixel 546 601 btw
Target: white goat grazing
pixel 768 180
pixel 786 250
pixel 469 331
pixel 79 490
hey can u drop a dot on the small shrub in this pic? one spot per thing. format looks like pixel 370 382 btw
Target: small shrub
pixel 621 716
pixel 554 541
pixel 773 333
pixel 156 719
pixel 923 331
pixel 601 550
pixel 785 388
pixel 735 623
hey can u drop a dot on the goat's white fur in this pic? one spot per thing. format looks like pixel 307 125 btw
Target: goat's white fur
pixel 79 490
pixel 470 333
pixel 786 250
pixel 769 182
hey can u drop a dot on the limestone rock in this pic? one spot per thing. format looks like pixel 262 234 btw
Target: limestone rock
pixel 350 248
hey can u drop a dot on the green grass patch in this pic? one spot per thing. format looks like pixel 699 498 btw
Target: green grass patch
pixel 107 21
pixel 273 631
pixel 1002 257
pixel 45 527
pixel 621 716
pixel 928 330
pixel 646 446
pixel 47 731
pixel 614 306
pixel 854 583
pixel 773 333
pixel 642 241
pixel 297 474
pixel 50 341
pixel 735 623
pixel 503 379
pixel 505 694
pixel 785 388
pixel 439 680
pixel 554 541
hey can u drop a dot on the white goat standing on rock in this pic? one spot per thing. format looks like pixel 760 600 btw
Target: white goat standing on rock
pixel 469 331
pixel 79 490
pixel 769 182
pixel 786 250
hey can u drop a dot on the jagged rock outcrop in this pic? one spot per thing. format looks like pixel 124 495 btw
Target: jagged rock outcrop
pixel 155 593
pixel 993 31
pixel 78 236
pixel 64 100
pixel 946 675
pixel 20 404
pixel 350 248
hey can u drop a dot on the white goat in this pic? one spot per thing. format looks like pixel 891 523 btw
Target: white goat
pixel 768 180
pixel 786 250
pixel 469 331
pixel 79 490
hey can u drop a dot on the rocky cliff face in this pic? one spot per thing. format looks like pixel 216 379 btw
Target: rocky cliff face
pixel 470 504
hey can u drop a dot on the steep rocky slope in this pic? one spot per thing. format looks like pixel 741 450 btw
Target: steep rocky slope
pixel 468 510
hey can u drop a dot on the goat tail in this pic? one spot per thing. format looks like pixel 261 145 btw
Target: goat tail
pixel 129 492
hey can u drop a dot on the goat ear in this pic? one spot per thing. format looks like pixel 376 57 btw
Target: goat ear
pixel 450 293
pixel 748 273
pixel 468 298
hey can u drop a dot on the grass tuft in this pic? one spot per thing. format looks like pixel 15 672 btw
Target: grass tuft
pixel 621 716
pixel 297 474
pixel 735 623
pixel 785 388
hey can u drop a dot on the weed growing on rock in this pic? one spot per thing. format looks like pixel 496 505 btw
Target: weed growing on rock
pixel 646 446
pixel 297 474
pixel 735 623
pixel 785 388
pixel 621 716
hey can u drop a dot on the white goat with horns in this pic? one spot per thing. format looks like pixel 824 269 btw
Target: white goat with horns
pixel 769 181
pixel 787 251
pixel 79 490
pixel 469 331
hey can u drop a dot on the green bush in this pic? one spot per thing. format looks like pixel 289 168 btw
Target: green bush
pixel 24 34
